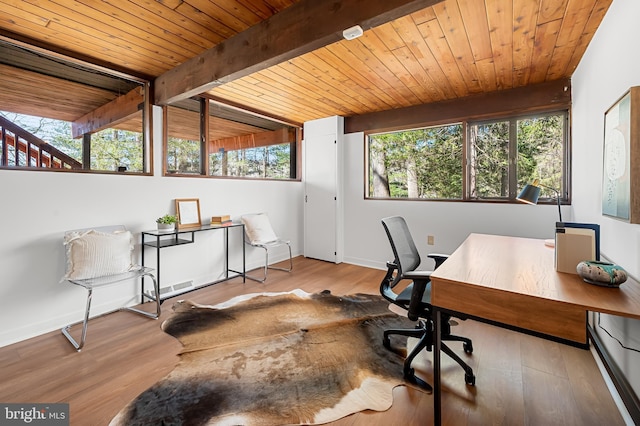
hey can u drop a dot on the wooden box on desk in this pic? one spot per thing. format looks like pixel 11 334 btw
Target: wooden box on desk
pixel 574 243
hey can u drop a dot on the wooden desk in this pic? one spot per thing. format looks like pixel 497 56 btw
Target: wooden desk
pixel 512 282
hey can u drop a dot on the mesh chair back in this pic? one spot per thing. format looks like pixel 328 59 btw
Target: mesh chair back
pixel 404 249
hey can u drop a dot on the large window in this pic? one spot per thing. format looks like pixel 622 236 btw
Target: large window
pixel 421 163
pixel 183 139
pixel 237 144
pixel 59 113
pixel 491 160
pixel 272 161
pixel 41 142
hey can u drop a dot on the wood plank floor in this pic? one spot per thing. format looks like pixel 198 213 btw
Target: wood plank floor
pixel 521 380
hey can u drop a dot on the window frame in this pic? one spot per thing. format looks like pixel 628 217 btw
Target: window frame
pixel 206 152
pixel 68 64
pixel 466 165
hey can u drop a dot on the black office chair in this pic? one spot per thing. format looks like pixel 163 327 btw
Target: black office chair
pixel 416 299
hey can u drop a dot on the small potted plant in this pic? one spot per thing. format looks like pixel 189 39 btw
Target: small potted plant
pixel 167 222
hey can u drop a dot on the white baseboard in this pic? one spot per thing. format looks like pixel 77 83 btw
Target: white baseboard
pixel 612 389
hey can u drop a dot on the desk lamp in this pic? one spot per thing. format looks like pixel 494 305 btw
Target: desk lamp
pixel 531 192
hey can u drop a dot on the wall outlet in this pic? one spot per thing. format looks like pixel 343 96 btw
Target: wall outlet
pixel 430 240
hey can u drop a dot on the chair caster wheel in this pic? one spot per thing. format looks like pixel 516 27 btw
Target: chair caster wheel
pixel 468 348
pixel 470 379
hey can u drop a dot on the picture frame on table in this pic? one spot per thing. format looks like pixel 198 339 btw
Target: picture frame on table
pixel 188 212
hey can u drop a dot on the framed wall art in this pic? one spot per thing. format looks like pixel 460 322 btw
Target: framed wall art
pixel 621 168
pixel 188 211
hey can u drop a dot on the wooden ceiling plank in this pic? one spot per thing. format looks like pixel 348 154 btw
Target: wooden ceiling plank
pixel 474 18
pixel 500 13
pixel 381 74
pixel 126 57
pixel 245 15
pixel 10 12
pixel 389 36
pixel 378 87
pixel 115 24
pixel 279 90
pixel 109 114
pixel 265 9
pixel 544 45
pixel 216 25
pixel 331 63
pixel 57 33
pixel 334 67
pixel 303 82
pixel 452 26
pixel 283 36
pixel 394 69
pixel 217 102
pixel 525 13
pixel 261 9
pixel 429 91
pixel 275 104
pixel 207 30
pixel 599 10
pixel 149 20
pixel 424 15
pixel 487 73
pixel 437 43
pixel 213 10
pixel 172 4
pixel 551 10
pixel 575 21
pixel 275 84
pixel 408 31
pixel 119 33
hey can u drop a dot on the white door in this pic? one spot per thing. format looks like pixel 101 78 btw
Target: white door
pixel 320 197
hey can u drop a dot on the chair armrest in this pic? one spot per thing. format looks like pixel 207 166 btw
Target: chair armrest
pixel 417 293
pixel 418 275
pixel 438 258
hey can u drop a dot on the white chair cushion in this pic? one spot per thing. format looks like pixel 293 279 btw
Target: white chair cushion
pixel 92 254
pixel 258 228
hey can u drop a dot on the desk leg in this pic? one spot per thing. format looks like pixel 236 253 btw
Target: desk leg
pixel 437 384
pixel 158 263
pixel 226 253
pixel 244 264
pixel 142 261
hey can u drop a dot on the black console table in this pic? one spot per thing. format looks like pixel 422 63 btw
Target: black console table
pixel 163 239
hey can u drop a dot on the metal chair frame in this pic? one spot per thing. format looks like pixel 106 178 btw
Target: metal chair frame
pixel 265 247
pixel 91 283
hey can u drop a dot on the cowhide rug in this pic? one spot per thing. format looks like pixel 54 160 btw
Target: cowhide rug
pixel 274 359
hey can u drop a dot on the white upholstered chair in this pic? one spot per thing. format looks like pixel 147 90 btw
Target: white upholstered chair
pixel 259 233
pixel 97 257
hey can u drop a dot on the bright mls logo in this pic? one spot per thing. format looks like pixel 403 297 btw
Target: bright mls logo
pixel 34 414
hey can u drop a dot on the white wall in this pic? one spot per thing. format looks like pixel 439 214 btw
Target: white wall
pixel 608 69
pixel 37 207
pixel 449 222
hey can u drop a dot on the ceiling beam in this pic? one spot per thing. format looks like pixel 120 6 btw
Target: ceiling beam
pixel 301 28
pixel 521 100
pixel 107 115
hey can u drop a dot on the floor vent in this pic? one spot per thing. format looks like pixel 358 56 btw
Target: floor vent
pixel 166 292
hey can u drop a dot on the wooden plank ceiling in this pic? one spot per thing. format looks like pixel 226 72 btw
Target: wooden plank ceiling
pixel 453 49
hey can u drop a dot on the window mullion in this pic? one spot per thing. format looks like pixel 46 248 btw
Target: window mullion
pixel 513 159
